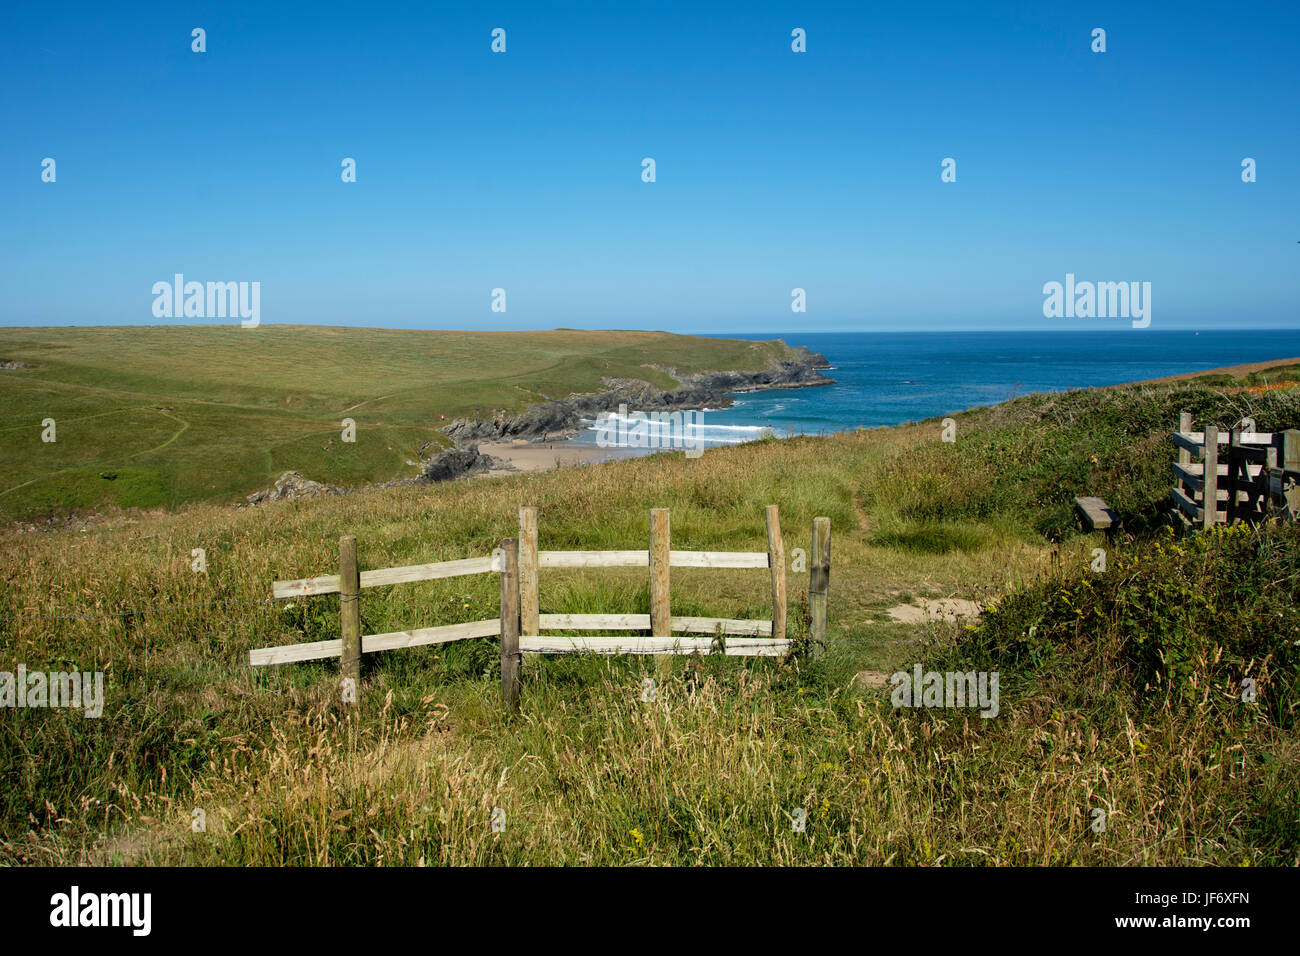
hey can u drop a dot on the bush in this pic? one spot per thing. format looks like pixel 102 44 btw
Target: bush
pixel 1174 619
pixel 1028 459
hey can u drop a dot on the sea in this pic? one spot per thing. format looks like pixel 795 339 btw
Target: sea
pixel 887 378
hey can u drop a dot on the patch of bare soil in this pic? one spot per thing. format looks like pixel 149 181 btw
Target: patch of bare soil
pixel 941 609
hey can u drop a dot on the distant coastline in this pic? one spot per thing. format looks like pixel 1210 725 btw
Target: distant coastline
pixel 524 455
pixel 1236 371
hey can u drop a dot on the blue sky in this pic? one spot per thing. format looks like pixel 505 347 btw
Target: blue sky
pixel 775 170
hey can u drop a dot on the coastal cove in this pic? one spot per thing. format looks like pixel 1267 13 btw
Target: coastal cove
pixel 889 378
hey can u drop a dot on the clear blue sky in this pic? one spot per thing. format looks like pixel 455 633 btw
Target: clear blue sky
pixel 775 169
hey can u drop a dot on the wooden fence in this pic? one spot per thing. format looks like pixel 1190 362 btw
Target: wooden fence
pixel 1222 477
pixel 520 624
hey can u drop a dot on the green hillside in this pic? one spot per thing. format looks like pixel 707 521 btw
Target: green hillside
pixel 159 416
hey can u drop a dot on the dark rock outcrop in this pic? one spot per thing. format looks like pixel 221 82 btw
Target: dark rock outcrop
pixel 451 464
pixel 563 419
pixel 292 485
pixel 458 463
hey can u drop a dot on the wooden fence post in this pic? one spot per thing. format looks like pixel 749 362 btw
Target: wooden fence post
pixel 1211 476
pixel 819 579
pixel 1235 462
pixel 350 613
pixel 510 622
pixel 661 621
pixel 1268 510
pixel 1184 426
pixel 1291 462
pixel 776 561
pixel 528 599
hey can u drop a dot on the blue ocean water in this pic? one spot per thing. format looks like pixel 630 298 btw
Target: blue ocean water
pixel 886 378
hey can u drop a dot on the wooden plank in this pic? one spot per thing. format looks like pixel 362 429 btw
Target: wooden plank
pixel 350 612
pixel 1186 505
pixel 1184 425
pixel 1194 440
pixel 428 572
pixel 528 599
pixel 1222 494
pixel 1184 442
pixel 718 559
pixel 1096 513
pixel 776 562
pixel 304 587
pixel 819 579
pixel 641 622
pixel 1210 487
pixel 1188 474
pixel 593 622
pixel 593 559
pixel 631 644
pixel 774 649
pixel 419 637
pixel 510 622
pixel 1196 469
pixel 724 625
pixel 329 584
pixel 295 653
pixel 422 636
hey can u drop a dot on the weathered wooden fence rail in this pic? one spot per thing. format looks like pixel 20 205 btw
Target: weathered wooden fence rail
pixel 520 624
pixel 1222 477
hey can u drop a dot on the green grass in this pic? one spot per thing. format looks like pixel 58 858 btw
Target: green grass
pixel 214 413
pixel 1117 689
pixel 1026 460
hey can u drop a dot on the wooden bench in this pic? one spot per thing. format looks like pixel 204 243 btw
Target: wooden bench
pixel 1096 514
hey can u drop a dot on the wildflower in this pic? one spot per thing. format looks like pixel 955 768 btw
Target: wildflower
pixel 635 834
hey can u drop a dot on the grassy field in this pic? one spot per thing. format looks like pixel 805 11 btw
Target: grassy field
pixel 1119 691
pixel 162 416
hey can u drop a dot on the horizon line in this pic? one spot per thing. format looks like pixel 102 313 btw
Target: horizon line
pixel 706 333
